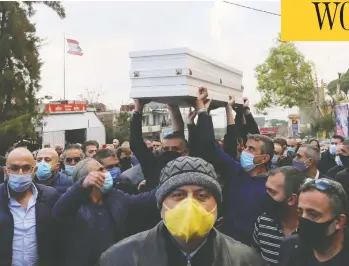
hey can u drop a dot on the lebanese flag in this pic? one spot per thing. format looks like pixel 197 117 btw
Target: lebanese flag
pixel 74 47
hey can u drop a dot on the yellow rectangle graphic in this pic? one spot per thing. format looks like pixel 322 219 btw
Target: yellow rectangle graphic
pixel 305 20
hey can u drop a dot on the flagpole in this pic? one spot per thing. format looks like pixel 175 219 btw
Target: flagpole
pixel 64 69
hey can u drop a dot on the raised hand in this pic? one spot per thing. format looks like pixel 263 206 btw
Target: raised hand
pixel 231 101
pixel 246 102
pixel 202 101
pixel 94 179
pixel 192 114
pixel 140 103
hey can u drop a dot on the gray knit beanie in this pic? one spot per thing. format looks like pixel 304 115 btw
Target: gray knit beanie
pixel 188 171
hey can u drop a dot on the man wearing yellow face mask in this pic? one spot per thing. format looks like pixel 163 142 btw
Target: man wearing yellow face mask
pixel 188 197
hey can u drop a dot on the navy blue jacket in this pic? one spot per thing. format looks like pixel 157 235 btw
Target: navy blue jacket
pixel 46 231
pixel 59 181
pixel 243 194
pixel 129 214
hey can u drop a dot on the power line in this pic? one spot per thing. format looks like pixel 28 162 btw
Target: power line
pixel 254 9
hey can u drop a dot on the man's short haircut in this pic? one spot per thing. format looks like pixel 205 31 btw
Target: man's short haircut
pixel 90 143
pixel 73 147
pixel 177 136
pixel 81 169
pixel 282 142
pixel 311 151
pixel 335 192
pixel 102 154
pixel 293 179
pixel 267 146
pixel 338 137
pixel 121 150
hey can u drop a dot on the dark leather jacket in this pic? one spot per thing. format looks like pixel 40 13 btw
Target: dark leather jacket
pixel 149 249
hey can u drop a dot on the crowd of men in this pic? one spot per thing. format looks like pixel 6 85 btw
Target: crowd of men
pixel 246 200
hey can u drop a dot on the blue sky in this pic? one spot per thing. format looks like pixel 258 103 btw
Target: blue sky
pixel 108 31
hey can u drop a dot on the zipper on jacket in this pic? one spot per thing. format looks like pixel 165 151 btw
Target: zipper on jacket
pixel 188 257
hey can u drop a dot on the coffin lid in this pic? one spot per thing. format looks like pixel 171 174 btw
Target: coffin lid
pixel 183 50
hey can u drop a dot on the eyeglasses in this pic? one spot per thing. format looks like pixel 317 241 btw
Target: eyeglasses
pixel 70 160
pixel 320 184
pixel 26 169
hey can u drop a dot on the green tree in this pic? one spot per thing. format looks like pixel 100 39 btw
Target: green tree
pixel 285 79
pixel 20 67
pixel 122 132
pixel 343 83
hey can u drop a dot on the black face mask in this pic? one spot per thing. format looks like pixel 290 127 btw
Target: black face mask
pixel 314 235
pixel 125 163
pixel 275 209
pixel 345 160
pixel 169 156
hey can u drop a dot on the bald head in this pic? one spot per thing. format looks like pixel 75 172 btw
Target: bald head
pixel 48 152
pixel 20 155
pixel 20 161
pixel 59 149
pixel 50 156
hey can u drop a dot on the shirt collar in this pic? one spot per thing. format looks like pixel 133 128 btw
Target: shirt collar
pixel 317 174
pixel 34 190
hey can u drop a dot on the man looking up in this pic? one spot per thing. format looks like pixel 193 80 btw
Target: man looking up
pixel 28 232
pixel 322 236
pixel 281 217
pixel 47 162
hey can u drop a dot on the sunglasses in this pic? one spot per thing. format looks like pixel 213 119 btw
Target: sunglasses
pixel 320 184
pixel 75 159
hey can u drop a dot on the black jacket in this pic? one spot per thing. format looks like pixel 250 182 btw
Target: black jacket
pixel 294 253
pixel 334 171
pixel 46 230
pixel 151 248
pixel 343 178
pixel 327 162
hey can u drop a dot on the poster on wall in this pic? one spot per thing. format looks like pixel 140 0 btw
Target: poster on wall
pixel 342 120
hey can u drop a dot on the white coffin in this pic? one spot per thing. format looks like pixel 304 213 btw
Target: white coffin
pixel 174 76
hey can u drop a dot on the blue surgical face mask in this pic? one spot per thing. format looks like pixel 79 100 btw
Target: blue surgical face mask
pixel 20 183
pixel 338 161
pixel 108 183
pixel 291 149
pixel 332 149
pixel 246 160
pixel 115 172
pixel 300 165
pixel 44 171
pixel 69 170
pixel 275 159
